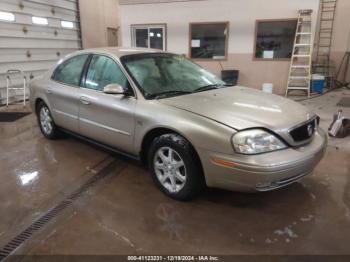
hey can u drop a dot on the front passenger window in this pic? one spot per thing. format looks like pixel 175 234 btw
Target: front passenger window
pixel 104 71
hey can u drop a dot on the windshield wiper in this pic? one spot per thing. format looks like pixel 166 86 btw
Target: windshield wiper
pixel 182 92
pixel 206 88
pixel 169 93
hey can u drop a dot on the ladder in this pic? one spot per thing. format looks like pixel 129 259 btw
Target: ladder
pixel 325 34
pixel 299 76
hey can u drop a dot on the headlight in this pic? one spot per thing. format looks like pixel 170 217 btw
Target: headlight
pixel 256 141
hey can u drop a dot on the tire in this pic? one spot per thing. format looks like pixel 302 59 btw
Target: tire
pixel 166 156
pixel 47 125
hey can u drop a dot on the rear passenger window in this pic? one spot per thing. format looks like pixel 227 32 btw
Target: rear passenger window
pixel 69 72
pixel 104 71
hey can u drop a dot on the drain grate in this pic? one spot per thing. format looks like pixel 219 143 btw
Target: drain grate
pixel 105 168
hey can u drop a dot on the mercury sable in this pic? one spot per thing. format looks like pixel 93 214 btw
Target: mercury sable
pixel 188 126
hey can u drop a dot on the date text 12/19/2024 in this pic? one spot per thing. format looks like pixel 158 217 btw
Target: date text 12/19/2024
pixel 173 258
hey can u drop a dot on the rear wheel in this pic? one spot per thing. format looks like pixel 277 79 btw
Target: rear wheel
pixel 46 123
pixel 175 167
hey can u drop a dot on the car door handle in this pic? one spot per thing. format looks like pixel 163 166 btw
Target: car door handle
pixel 48 91
pixel 85 100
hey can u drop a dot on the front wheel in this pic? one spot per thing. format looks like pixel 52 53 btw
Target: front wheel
pixel 46 123
pixel 175 168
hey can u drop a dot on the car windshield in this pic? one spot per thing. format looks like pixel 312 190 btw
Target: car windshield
pixel 160 75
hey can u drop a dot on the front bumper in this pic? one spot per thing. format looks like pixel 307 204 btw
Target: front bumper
pixel 263 172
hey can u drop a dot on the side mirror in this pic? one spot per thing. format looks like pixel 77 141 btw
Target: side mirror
pixel 114 89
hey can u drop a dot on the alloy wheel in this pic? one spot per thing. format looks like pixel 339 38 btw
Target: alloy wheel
pixel 170 169
pixel 46 120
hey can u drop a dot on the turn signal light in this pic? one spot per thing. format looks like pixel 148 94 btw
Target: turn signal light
pixel 223 162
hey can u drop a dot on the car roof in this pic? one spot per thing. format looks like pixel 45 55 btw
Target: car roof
pixel 120 51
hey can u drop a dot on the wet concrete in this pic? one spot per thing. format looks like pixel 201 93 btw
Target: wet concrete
pixel 34 172
pixel 125 214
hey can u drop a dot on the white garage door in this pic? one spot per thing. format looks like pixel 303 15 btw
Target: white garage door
pixel 34 34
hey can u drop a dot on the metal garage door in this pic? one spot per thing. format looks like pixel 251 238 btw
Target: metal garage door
pixel 33 45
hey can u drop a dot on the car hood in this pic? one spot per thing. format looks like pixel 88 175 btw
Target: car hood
pixel 242 108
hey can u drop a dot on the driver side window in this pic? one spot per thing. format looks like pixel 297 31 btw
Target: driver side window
pixel 104 71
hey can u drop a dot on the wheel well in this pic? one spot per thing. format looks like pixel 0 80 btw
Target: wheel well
pixel 37 102
pixel 151 135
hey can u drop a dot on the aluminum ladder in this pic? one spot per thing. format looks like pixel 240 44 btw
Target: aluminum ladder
pixel 325 36
pixel 299 77
pixel 8 82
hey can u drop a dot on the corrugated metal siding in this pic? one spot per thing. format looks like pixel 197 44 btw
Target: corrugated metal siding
pixel 35 48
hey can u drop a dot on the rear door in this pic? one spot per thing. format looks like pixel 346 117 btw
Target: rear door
pixel 104 117
pixel 63 92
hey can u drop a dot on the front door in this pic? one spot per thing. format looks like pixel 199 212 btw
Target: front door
pixel 112 36
pixel 106 118
pixel 63 94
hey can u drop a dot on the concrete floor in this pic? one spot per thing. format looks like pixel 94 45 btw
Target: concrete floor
pixel 124 213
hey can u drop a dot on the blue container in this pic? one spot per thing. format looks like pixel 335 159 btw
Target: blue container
pixel 317 84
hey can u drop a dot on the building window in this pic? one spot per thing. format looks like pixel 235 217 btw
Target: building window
pixel 275 39
pixel 67 24
pixel 209 40
pixel 6 16
pixel 40 20
pixel 149 36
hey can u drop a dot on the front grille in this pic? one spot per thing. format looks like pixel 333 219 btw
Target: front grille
pixel 304 132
